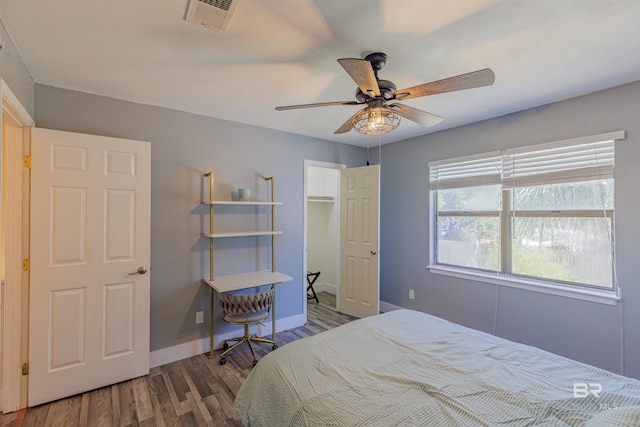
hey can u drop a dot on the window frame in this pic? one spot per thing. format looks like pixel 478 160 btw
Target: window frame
pixel 506 277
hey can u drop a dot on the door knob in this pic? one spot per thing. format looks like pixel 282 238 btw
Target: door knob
pixel 373 252
pixel 140 270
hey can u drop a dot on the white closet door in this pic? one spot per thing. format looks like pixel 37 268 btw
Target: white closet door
pixel 359 230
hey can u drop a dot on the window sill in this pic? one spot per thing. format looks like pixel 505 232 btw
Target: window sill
pixel 601 296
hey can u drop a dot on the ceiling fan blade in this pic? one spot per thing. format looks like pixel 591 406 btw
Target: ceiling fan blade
pixel 421 117
pixel 464 81
pixel 347 126
pixel 362 73
pixel 318 104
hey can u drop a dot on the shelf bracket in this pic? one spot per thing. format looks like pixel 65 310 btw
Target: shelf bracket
pixel 273 223
pixel 211 272
pixel 211 225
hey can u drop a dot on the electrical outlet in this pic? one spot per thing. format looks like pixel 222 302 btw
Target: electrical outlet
pixel 199 317
pixel 412 294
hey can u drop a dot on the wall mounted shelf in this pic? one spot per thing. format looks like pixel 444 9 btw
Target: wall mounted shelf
pixel 233 282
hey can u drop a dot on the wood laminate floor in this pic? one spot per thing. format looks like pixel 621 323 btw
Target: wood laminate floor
pixel 192 392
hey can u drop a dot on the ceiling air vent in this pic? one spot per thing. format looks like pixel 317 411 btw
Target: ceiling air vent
pixel 211 13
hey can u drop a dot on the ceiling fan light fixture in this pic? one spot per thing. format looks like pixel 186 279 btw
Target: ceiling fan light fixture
pixel 379 118
pixel 376 120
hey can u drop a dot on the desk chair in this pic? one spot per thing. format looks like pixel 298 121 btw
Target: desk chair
pixel 311 279
pixel 245 309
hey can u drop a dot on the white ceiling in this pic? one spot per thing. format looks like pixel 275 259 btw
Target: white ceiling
pixel 282 52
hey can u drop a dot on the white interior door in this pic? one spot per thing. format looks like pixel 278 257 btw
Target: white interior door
pixel 359 293
pixel 88 308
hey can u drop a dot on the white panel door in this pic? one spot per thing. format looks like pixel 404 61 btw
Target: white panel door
pixel 88 304
pixel 359 229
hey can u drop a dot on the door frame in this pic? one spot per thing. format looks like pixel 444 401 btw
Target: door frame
pixel 15 303
pixel 320 164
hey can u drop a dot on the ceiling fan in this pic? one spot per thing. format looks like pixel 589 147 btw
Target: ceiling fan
pixel 382 114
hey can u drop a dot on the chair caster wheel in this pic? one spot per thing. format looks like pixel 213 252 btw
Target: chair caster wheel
pixel 274 346
pixel 225 346
pixel 223 360
pixel 255 362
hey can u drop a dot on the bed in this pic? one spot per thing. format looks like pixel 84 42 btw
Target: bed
pixel 409 368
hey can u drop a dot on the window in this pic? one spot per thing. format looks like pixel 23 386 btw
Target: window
pixel 543 213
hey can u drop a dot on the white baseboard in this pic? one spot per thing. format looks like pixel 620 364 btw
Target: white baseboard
pixel 387 306
pixel 332 289
pixel 199 346
pixel 325 287
pixel 193 348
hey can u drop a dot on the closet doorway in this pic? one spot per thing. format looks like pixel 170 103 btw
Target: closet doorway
pixel 322 231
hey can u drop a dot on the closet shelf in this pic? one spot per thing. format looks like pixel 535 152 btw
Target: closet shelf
pixel 242 233
pixel 248 203
pixel 321 199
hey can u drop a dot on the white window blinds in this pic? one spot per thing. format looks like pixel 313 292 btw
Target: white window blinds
pixel 468 172
pixel 579 159
pixel 574 163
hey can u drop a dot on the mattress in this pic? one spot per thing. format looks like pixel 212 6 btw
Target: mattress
pixel 409 368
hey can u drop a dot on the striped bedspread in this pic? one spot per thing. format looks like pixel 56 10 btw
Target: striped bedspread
pixel 407 368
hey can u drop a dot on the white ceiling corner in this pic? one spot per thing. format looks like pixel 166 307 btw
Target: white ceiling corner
pixel 284 52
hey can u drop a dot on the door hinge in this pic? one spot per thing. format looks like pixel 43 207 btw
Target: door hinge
pixel 26 264
pixel 27 161
pixel 25 368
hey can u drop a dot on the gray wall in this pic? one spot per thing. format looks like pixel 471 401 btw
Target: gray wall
pixel 585 331
pixel 14 72
pixel 183 146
